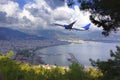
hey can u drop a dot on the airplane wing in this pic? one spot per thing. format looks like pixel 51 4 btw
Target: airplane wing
pixel 58 24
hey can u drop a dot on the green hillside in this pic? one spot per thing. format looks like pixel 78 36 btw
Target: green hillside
pixel 12 70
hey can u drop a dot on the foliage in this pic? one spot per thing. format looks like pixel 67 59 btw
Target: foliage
pixel 12 70
pixel 104 13
pixel 94 73
pixel 70 3
pixel 26 53
pixel 10 54
pixel 111 67
pixel 77 72
pixel 8 68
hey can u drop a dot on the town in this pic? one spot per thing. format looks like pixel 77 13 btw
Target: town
pixel 24 50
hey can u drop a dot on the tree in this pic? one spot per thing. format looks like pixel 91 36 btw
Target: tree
pixel 10 54
pixel 111 67
pixel 70 3
pixel 8 68
pixel 77 72
pixel 104 13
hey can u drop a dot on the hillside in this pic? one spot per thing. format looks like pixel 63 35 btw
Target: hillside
pixel 11 34
pixel 13 70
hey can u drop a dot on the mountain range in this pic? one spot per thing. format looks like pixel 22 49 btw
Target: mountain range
pixel 12 34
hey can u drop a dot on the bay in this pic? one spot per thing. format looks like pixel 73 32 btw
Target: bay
pixel 63 54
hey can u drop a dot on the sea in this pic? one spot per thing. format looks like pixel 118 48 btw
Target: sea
pixel 64 55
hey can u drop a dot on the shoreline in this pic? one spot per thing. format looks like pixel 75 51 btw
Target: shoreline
pixel 28 54
pixel 33 58
pixel 42 47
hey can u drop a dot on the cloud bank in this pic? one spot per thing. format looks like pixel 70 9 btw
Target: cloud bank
pixel 40 14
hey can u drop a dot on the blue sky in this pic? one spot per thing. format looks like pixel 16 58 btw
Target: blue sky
pixel 23 2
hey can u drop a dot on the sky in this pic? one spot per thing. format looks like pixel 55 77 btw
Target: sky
pixel 40 14
pixel 21 3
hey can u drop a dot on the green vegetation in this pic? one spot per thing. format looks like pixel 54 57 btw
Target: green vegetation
pixel 105 70
pixel 26 53
pixel 12 70
pixel 77 72
pixel 111 67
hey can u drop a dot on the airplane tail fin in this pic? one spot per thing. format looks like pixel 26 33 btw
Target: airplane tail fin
pixel 86 27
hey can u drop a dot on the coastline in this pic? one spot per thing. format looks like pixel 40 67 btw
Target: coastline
pixel 42 47
pixel 33 57
pixel 73 59
pixel 25 52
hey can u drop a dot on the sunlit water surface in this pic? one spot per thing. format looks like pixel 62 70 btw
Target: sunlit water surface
pixel 59 55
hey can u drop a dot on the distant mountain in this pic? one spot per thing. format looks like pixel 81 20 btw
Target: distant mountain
pixel 74 35
pixel 54 34
pixel 79 35
pixel 11 34
pixel 97 36
pixel 50 34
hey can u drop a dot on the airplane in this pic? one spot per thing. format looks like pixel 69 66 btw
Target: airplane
pixel 70 26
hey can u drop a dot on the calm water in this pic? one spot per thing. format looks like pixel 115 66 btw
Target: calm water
pixel 59 55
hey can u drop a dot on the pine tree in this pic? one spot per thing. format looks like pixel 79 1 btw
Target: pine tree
pixel 111 67
pixel 104 13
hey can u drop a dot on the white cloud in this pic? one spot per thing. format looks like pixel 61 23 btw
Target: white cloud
pixel 41 14
pixel 27 14
pixel 9 7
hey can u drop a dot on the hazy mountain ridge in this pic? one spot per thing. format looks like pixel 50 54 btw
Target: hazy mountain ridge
pixel 11 34
pixel 75 35
pixel 97 36
pixel 8 34
pixel 50 34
